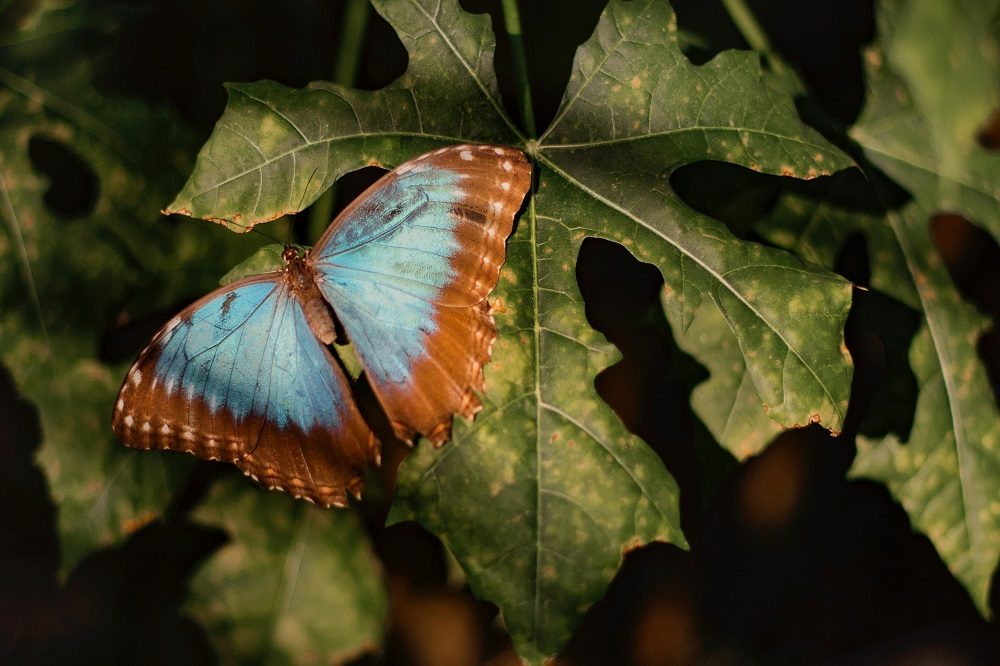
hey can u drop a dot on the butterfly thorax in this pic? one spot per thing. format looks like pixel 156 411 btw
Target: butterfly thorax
pixel 303 283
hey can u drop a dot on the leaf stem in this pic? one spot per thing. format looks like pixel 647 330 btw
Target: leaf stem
pixel 512 23
pixel 353 28
pixel 752 31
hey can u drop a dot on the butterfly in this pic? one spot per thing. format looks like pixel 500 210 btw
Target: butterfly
pixel 246 374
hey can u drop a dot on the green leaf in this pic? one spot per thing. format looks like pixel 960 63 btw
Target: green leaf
pixel 569 490
pixel 67 276
pixel 265 260
pixel 934 80
pixel 298 585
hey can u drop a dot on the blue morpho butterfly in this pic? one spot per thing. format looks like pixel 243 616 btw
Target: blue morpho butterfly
pixel 245 374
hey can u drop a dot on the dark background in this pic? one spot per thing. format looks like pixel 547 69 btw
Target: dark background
pixel 790 562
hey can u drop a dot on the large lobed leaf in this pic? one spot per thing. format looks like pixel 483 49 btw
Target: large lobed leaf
pixel 542 495
pixel 933 79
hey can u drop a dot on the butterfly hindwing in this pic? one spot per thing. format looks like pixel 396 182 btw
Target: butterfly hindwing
pixel 239 376
pixel 408 267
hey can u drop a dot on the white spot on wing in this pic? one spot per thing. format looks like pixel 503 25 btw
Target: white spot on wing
pixel 145 426
pixel 129 421
pixel 498 151
pixel 507 166
pixel 165 429
pixel 497 206
pixel 136 378
pixel 505 187
pixel 121 405
pixel 466 155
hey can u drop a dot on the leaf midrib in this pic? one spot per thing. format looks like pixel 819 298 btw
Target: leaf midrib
pixel 682 130
pixel 310 144
pixel 899 230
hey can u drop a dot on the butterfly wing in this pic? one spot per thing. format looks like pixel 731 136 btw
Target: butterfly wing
pixel 408 266
pixel 240 377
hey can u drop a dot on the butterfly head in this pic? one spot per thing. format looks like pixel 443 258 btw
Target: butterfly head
pixel 290 254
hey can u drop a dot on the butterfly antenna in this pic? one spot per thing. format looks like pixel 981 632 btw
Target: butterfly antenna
pixel 269 236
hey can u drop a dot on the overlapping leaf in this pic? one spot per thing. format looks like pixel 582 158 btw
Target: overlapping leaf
pixel 933 80
pixel 542 494
pixel 65 273
pixel 297 585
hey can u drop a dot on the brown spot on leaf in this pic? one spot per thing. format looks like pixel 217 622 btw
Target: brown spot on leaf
pixel 631 544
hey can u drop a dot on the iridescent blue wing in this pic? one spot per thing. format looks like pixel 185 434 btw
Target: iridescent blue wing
pixel 408 266
pixel 240 377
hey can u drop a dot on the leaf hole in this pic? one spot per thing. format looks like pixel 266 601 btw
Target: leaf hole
pixel 124 339
pixel 879 332
pixel 73 185
pixel 973 261
pixel 732 194
pixel 988 135
pixel 549 52
pixel 645 389
pixel 384 56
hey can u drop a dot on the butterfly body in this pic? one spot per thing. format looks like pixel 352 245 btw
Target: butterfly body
pixel 303 283
pixel 245 374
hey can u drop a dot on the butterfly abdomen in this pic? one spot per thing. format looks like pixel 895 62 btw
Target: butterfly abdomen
pixel 315 307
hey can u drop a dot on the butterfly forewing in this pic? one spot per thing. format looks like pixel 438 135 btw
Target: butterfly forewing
pixel 408 267
pixel 240 377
